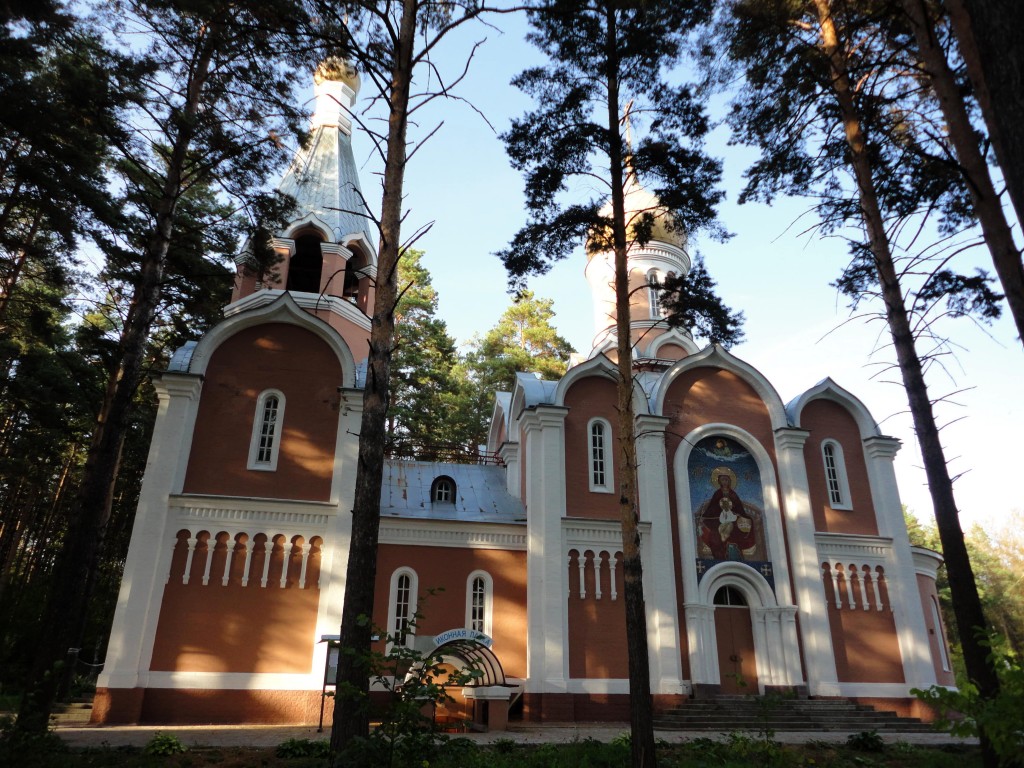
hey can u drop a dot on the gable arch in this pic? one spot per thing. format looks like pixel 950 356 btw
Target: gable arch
pixel 673 336
pixel 827 389
pixel 357 243
pixel 500 421
pixel 310 222
pixel 600 366
pixel 282 310
pixel 716 356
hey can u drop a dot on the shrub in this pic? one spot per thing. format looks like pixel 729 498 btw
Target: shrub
pixel 866 741
pixel 164 744
pixel 303 748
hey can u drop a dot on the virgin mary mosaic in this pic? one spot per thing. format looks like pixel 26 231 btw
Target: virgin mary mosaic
pixel 725 494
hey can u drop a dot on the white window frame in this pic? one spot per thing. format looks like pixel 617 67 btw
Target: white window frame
pixel 453 490
pixel 653 296
pixel 392 630
pixel 488 596
pixel 257 432
pixel 607 486
pixel 837 488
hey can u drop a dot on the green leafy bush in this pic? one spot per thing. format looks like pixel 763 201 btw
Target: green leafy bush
pixel 866 741
pixel 164 744
pixel 304 748
pixel 964 713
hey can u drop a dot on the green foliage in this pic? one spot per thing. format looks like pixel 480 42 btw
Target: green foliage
pixel 605 79
pixel 304 748
pixel 788 109
pixel 598 52
pixel 964 713
pixel 866 741
pixel 424 382
pixel 623 739
pixel 524 340
pixel 691 303
pixel 503 746
pixel 18 748
pixel 997 554
pixel 463 753
pixel 415 683
pixel 164 744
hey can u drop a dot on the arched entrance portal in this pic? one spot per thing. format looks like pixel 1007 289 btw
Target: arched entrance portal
pixel 739 632
pixel 734 635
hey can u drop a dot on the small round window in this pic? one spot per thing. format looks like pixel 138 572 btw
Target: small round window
pixel 443 491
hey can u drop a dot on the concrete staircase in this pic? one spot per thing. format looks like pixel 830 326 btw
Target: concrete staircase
pixel 750 713
pixel 73 715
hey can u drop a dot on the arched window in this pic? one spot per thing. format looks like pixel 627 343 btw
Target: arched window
pixel 442 491
pixel 402 605
pixel 835 475
pixel 266 431
pixel 730 596
pixel 654 294
pixel 479 602
pixel 601 476
pixel 353 274
pixel 306 264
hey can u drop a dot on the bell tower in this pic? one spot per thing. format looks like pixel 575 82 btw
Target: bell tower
pixel 326 257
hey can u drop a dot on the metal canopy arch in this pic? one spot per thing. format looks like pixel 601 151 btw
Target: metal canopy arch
pixel 472 656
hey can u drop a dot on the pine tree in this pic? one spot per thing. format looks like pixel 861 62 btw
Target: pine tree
pixel 994 57
pixel 607 65
pixel 209 89
pixel 423 380
pixel 523 341
pixel 827 103
pixel 927 27
pixel 388 42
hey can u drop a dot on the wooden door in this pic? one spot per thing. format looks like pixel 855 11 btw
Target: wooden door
pixel 737 664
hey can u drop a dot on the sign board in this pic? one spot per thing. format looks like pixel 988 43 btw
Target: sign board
pixel 463 634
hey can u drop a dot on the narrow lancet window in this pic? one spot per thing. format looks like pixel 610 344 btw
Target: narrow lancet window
pixel 837 485
pixel 266 433
pixel 600 456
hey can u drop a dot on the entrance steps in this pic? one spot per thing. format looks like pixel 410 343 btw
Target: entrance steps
pixel 75 714
pixel 772 713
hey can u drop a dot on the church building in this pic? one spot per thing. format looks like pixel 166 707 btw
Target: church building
pixel 774 549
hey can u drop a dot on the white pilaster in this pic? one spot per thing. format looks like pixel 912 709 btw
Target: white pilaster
pixel 509 453
pixel 334 555
pixel 900 573
pixel 660 579
pixel 703 648
pixel 149 552
pixel 819 655
pixel 547 657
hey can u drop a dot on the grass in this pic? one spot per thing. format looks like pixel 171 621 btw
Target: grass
pixel 739 751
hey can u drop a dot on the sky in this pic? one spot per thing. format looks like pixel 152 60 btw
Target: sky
pixel 798 329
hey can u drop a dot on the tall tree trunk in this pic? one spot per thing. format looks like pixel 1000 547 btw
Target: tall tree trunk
pixel 991 48
pixel 964 591
pixel 641 715
pixel 19 264
pixel 65 611
pixel 987 206
pixel 351 712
